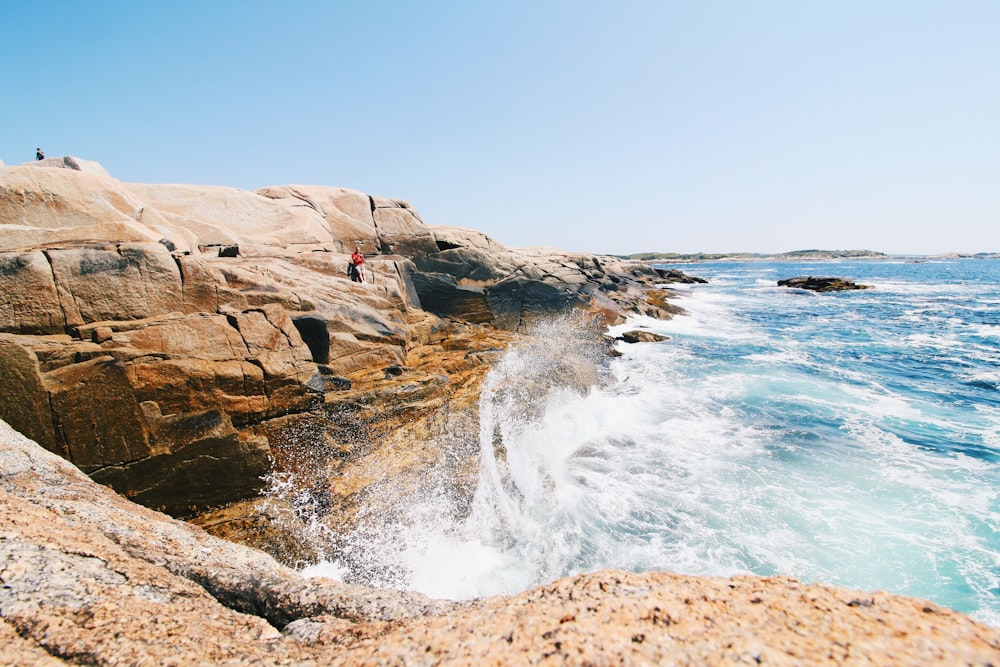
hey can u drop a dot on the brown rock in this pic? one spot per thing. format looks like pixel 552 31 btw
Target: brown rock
pixel 348 214
pixel 206 319
pixel 163 411
pixel 224 216
pixel 115 282
pixel 69 162
pixel 41 206
pixel 28 300
pixel 400 230
pixel 23 396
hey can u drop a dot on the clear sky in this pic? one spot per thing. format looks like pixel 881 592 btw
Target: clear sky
pixel 612 126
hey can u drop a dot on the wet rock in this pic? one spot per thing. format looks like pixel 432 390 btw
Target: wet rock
pixel 821 284
pixel 642 337
pixel 677 276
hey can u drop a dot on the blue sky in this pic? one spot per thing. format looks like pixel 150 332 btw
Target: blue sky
pixel 614 127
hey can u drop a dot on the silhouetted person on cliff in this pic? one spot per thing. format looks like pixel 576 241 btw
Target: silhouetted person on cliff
pixel 39 155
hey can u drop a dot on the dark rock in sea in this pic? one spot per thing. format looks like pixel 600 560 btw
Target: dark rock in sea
pixel 821 284
pixel 677 276
pixel 642 337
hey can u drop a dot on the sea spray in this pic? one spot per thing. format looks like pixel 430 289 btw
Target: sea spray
pixel 848 439
pixel 439 540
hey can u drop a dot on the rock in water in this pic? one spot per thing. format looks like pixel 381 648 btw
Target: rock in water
pixel 642 337
pixel 821 284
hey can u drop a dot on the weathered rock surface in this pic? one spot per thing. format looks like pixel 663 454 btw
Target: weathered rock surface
pixel 90 578
pixel 156 335
pixel 821 284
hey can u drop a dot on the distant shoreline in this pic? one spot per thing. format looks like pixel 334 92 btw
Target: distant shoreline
pixel 795 255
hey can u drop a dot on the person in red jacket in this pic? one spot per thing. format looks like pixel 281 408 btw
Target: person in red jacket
pixel 358 260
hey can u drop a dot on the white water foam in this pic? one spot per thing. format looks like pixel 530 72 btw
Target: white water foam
pixel 756 458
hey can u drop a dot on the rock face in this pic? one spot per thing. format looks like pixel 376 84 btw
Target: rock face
pixel 90 578
pixel 821 284
pixel 160 335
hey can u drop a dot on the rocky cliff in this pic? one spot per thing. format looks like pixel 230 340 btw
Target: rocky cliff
pixel 175 342
pixel 90 578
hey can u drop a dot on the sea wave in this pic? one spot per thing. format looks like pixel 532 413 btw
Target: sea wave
pixel 845 440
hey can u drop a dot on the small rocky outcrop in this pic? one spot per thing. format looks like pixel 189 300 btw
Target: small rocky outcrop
pixel 642 337
pixel 678 276
pixel 90 578
pixel 821 284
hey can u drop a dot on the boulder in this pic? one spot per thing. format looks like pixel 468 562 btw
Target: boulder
pixel 163 409
pixel 115 282
pixel 472 265
pixel 400 230
pixel 515 300
pixel 69 162
pixel 347 214
pixel 642 337
pixel 821 284
pixel 441 294
pixel 677 276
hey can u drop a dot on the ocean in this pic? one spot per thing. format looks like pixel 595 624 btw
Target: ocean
pixel 850 438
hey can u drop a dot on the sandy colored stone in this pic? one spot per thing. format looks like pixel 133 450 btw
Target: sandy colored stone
pixel 346 213
pixel 183 306
pixel 24 396
pixel 400 230
pixel 29 302
pixel 41 205
pixel 219 215
pixel 115 281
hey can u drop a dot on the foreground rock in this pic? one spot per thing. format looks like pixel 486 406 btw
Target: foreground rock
pixel 90 578
pixel 821 284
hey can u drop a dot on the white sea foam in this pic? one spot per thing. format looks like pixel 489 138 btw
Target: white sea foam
pixel 810 444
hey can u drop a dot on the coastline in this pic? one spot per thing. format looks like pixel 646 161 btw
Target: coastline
pixel 797 255
pixel 177 343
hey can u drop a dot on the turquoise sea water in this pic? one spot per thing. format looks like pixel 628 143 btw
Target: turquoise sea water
pixel 850 438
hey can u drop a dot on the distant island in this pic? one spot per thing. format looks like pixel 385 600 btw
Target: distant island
pixel 792 255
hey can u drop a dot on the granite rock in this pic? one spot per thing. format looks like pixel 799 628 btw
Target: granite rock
pixel 159 334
